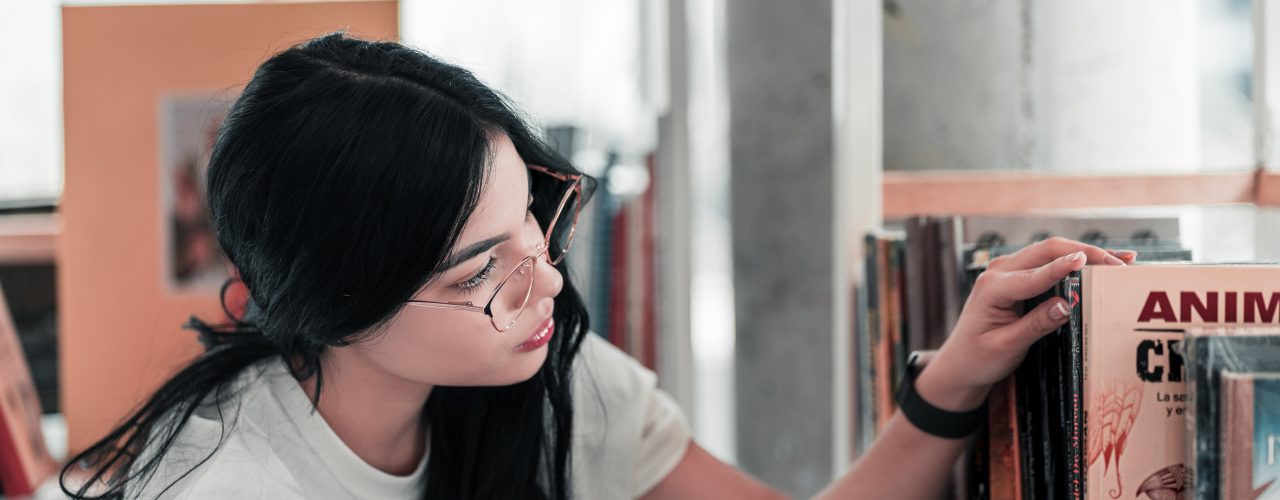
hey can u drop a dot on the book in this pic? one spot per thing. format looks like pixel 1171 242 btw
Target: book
pixel 1102 403
pixel 915 284
pixel 867 338
pixel 1134 375
pixel 1004 481
pixel 24 458
pixel 1046 394
pixel 1217 359
pixel 1250 435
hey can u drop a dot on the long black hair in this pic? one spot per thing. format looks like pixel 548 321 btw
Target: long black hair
pixel 338 184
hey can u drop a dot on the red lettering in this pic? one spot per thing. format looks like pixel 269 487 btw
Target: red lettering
pixel 1230 308
pixel 1208 310
pixel 1158 307
pixel 1266 312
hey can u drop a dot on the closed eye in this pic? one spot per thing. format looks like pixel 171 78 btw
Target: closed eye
pixel 479 279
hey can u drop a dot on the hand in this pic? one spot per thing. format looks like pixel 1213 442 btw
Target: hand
pixel 991 337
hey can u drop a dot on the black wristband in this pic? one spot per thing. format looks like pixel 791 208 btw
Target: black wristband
pixel 934 420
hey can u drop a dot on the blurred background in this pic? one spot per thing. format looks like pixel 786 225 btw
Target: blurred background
pixel 744 147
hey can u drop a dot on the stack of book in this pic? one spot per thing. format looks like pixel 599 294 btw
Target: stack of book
pixel 1099 409
pixel 918 275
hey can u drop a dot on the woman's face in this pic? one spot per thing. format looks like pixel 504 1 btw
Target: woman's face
pixel 461 347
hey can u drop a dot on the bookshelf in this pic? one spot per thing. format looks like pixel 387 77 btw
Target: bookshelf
pixel 944 192
pixel 29 238
pixel 998 193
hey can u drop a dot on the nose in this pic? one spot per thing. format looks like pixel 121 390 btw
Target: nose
pixel 547 281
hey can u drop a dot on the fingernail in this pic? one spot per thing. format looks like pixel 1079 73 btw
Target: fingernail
pixel 1113 260
pixel 1059 312
pixel 1124 253
pixel 1078 256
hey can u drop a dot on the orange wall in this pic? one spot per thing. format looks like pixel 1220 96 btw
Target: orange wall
pixel 120 331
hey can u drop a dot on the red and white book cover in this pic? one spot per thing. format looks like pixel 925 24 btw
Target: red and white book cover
pixel 1134 377
pixel 24 458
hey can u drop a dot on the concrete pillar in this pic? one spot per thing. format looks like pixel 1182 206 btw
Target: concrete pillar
pixel 665 23
pixel 779 61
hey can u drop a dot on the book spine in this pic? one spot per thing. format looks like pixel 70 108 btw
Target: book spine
pixel 917 288
pixel 1003 482
pixel 1074 370
pixel 1199 401
pixel 976 478
pixel 1085 311
pixel 617 320
pixel 1237 400
pixel 870 342
pixel 13 472
pixel 898 348
pixel 1024 378
pixel 883 345
pixel 951 290
pixel 1049 414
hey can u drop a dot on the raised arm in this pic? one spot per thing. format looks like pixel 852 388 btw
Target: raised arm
pixel 989 342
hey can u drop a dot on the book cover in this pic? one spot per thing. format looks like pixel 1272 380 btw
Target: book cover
pixel 1134 374
pixel 1251 435
pixel 24 458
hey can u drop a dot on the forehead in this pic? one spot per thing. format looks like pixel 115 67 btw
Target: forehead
pixel 504 197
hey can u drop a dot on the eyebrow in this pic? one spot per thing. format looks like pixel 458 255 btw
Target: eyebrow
pixel 473 250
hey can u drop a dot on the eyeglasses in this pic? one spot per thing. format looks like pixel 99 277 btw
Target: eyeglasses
pixel 511 296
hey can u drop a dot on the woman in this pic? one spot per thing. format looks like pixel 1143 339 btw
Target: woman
pixel 411 330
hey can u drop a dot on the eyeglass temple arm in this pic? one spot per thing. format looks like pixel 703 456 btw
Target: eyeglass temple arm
pixel 448 305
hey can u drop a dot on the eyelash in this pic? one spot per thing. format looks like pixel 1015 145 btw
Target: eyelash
pixel 475 282
pixel 471 285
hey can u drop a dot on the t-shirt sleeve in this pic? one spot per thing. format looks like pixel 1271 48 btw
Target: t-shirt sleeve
pixel 665 441
pixel 622 408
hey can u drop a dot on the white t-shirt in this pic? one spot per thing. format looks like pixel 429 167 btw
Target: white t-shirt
pixel 628 435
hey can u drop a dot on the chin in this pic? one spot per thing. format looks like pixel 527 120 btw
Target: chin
pixel 527 364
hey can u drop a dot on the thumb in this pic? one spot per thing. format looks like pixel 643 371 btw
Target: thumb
pixel 1045 318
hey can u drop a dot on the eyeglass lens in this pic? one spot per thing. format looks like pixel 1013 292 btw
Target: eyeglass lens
pixel 513 293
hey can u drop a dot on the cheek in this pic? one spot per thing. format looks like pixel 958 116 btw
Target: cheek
pixel 452 349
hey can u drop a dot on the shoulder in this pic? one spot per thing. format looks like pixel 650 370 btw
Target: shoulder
pixel 221 452
pixel 233 470
pixel 629 434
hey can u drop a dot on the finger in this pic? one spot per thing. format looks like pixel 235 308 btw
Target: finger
pixel 1011 286
pixel 1046 317
pixel 1045 251
pixel 1127 256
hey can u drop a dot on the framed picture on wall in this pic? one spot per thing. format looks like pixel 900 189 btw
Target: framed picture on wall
pixel 193 261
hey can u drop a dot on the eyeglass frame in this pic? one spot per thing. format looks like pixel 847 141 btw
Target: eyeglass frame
pixel 541 250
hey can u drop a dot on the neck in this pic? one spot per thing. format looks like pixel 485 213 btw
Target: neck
pixel 376 414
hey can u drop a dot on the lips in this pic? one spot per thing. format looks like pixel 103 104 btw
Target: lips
pixel 540 336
